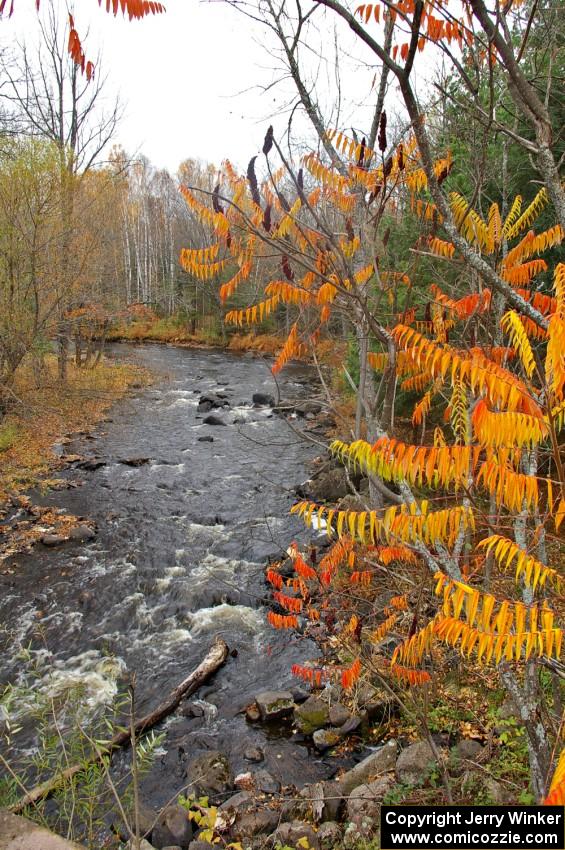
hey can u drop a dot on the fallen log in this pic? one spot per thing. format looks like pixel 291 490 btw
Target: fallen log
pixel 214 659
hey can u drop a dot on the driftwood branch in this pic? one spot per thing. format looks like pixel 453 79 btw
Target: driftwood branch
pixel 214 659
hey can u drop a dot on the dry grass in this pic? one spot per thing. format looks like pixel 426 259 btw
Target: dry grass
pixel 41 416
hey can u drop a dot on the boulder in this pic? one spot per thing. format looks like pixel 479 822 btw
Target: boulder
pixel 91 465
pixel 414 762
pixel 467 749
pixel 329 835
pixel 214 420
pixel 265 783
pixel 273 705
pixel 263 400
pixel 364 804
pixel 462 753
pixel 253 754
pixel 211 775
pixel 51 540
pixel 134 461
pixel 352 725
pixel 328 486
pixel 311 715
pixel 289 834
pixel 82 533
pixel 308 407
pixel 378 704
pixel 238 803
pixel 261 822
pixel 172 827
pixel 325 738
pixel 323 802
pixel 143 845
pixel 381 761
pixel 339 714
pixel 205 439
pixel 18 833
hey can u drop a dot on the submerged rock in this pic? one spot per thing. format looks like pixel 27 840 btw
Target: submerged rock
pixel 263 400
pixel 214 420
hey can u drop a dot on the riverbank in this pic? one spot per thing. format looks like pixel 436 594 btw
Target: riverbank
pixel 49 414
pixel 175 332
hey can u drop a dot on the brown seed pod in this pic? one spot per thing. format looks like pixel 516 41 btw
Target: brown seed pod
pixel 382 132
pixel 268 143
pixel 217 207
pixel 253 181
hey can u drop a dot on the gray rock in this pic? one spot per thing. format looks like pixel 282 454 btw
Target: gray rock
pixel 18 833
pixel 214 420
pixel 211 775
pixel 191 709
pixel 199 845
pixel 291 833
pixel 253 754
pixel 174 847
pixel 51 540
pixel 143 845
pixel 378 704
pixel 172 827
pixel 265 783
pixel 261 822
pixel 238 803
pixel 91 465
pixel 329 835
pixel 311 715
pixel 273 705
pixel 263 400
pixel 252 713
pixel 205 439
pixel 325 738
pixel 299 694
pixel 414 763
pixel 147 818
pixel 364 805
pixel 134 461
pixel 379 762
pixel 339 714
pixel 467 749
pixel 324 802
pixel 352 725
pixel 82 533
pixel 328 486
pixel 308 407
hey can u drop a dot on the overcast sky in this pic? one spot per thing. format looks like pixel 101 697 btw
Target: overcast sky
pixel 190 80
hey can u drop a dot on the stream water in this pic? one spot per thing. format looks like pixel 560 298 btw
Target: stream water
pixel 178 558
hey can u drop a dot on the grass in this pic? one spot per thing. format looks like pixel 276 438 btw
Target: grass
pixel 44 415
pixel 8 436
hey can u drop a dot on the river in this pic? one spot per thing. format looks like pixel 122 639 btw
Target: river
pixel 178 558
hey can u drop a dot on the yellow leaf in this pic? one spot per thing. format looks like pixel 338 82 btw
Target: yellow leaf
pixel 560 515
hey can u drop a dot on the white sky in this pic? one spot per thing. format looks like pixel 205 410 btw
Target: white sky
pixel 190 79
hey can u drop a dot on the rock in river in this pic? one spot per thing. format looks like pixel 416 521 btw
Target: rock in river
pixel 273 705
pixel 214 420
